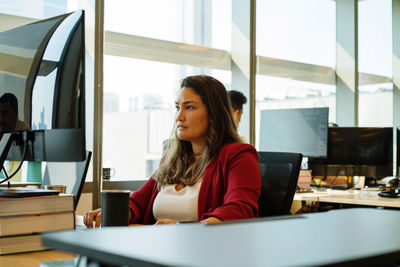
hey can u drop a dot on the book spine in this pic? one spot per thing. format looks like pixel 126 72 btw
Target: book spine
pixel 21 243
pixel 34 205
pixel 19 225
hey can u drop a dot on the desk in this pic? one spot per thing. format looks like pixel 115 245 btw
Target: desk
pixel 352 236
pixel 32 259
pixel 354 197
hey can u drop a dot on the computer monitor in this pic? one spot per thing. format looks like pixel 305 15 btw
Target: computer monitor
pixel 356 151
pixel 302 130
pixel 42 89
pixel 398 151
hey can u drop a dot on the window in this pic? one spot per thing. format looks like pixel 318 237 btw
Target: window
pixel 375 63
pixel 296 56
pixel 199 22
pixel 139 111
pixel 300 31
pixel 139 91
pixel 284 93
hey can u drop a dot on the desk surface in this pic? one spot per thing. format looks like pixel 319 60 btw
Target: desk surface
pixel 355 197
pixel 353 236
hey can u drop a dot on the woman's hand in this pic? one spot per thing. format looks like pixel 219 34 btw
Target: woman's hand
pixel 92 216
pixel 166 221
pixel 211 220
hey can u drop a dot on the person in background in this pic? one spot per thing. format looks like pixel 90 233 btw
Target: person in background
pixel 9 114
pixel 238 99
pixel 9 122
pixel 206 173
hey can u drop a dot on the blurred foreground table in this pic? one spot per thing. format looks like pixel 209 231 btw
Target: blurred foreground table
pixel 363 236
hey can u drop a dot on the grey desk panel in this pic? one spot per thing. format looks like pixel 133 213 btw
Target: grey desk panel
pixel 335 237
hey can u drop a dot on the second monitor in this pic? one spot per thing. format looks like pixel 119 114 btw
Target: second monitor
pixel 357 151
pixel 302 130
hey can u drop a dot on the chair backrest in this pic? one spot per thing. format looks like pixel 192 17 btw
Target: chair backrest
pixel 279 175
pixel 70 174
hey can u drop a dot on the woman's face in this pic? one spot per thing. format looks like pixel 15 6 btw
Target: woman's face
pixel 191 117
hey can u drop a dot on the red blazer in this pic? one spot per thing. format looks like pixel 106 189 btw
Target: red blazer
pixel 229 190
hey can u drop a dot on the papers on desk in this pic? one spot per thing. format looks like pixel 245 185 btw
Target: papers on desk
pixel 62 263
pixel 304 181
pixel 341 192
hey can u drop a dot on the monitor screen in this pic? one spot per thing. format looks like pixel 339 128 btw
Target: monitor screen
pixel 398 151
pixel 303 130
pixel 360 146
pixel 357 151
pixel 42 74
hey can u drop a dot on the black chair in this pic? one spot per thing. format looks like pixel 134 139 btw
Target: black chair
pixel 279 175
pixel 70 174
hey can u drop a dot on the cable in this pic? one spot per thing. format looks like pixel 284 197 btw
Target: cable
pixel 20 165
pixel 333 180
pixel 6 175
pixel 325 171
pixel 5 172
pixel 78 262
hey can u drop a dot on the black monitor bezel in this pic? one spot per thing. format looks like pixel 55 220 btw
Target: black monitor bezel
pixel 329 167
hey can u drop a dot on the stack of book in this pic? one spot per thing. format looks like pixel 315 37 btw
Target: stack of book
pixel 22 220
pixel 304 182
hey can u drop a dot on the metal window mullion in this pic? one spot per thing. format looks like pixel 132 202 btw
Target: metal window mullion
pixel 347 62
pixel 98 102
pixel 243 62
pixel 396 76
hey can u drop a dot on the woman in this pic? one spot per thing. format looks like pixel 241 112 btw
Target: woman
pixel 206 174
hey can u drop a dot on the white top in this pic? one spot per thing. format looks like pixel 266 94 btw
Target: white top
pixel 179 205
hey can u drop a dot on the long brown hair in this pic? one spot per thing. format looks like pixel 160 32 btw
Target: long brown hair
pixel 178 165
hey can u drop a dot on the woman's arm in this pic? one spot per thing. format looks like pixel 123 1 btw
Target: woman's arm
pixel 139 201
pixel 241 175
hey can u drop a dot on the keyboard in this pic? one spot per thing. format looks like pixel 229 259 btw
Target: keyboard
pixel 80 227
pixel 304 191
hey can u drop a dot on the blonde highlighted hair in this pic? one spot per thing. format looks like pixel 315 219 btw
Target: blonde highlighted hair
pixel 178 164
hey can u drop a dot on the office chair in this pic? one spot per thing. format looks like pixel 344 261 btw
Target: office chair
pixel 279 175
pixel 70 174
